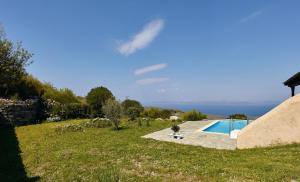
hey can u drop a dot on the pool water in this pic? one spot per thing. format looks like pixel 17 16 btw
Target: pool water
pixel 225 126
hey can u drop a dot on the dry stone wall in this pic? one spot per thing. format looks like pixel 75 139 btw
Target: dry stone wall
pixel 17 112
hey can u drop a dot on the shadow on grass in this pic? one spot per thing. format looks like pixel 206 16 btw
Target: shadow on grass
pixel 11 166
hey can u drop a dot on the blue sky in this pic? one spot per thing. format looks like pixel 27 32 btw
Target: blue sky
pixel 167 51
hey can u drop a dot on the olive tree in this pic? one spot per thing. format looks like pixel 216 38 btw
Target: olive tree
pixel 112 110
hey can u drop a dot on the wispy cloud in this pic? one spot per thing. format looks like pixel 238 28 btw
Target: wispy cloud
pixel 251 16
pixel 149 81
pixel 151 68
pixel 142 39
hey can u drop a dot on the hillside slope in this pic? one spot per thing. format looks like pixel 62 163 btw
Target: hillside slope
pixel 279 126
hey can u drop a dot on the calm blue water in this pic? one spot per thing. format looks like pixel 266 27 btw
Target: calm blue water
pixel 224 126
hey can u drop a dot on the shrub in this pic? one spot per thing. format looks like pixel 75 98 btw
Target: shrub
pixel 193 116
pixel 69 128
pixel 112 110
pixel 29 87
pixel 63 96
pixel 97 123
pixel 238 116
pixel 165 113
pixel 69 111
pixel 154 113
pixel 96 98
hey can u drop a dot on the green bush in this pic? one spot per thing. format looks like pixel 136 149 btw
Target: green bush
pixel 154 113
pixel 69 111
pixel 193 116
pixel 69 128
pixel 63 96
pixel 97 123
pixel 238 116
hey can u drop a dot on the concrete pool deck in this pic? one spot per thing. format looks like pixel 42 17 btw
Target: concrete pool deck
pixel 193 135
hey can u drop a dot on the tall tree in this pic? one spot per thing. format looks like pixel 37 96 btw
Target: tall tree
pixel 112 110
pixel 96 98
pixel 13 60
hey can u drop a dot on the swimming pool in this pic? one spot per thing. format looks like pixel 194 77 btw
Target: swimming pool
pixel 225 126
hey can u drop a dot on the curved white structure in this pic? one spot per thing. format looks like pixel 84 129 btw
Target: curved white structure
pixel 279 126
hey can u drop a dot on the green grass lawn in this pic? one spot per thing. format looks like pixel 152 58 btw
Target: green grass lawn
pixel 38 152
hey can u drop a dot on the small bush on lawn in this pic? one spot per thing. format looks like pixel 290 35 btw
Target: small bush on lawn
pixel 69 128
pixel 97 123
pixel 193 116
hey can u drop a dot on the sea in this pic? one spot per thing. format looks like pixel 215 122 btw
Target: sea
pixel 219 109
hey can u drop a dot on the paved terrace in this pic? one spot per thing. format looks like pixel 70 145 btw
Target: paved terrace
pixel 191 130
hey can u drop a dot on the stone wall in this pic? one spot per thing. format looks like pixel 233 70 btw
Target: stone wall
pixel 17 112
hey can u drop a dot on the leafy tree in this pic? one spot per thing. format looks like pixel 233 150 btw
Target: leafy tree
pixel 112 110
pixel 193 116
pixel 97 97
pixel 132 108
pixel 13 60
pixel 133 113
pixel 131 103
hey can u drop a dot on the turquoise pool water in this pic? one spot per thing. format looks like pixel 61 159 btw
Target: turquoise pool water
pixel 225 126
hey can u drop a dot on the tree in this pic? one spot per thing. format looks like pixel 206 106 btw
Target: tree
pixel 97 97
pixel 112 110
pixel 13 60
pixel 132 108
pixel 133 113
pixel 131 103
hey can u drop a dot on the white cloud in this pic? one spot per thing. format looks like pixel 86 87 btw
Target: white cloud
pixel 251 16
pixel 149 81
pixel 151 68
pixel 141 39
